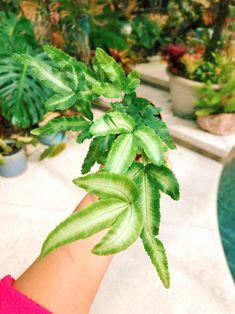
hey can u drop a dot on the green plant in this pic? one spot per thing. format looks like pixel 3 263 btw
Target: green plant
pixel 18 143
pixel 186 16
pixel 4 150
pixel 130 141
pixel 204 31
pixel 146 33
pixel 22 96
pixel 214 101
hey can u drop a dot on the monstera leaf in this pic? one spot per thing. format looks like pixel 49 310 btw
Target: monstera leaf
pixel 117 209
pixel 22 96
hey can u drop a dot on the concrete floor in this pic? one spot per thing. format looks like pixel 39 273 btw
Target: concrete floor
pixel 33 203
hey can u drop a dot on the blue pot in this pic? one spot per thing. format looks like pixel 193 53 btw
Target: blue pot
pixel 14 164
pixel 54 139
pixel 85 24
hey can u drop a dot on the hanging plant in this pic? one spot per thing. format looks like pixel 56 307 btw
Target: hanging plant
pixel 130 141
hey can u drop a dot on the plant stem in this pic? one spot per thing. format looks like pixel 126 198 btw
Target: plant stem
pixel 218 28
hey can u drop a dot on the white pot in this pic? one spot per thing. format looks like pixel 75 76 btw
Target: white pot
pixel 183 95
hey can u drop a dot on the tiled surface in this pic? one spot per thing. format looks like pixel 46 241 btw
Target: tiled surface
pixel 36 201
pixel 188 131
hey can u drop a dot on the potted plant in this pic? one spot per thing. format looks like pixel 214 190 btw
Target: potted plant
pixel 201 58
pixel 215 108
pixel 13 140
pixel 12 158
pixel 128 140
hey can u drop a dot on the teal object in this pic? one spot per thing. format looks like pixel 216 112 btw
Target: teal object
pixel 14 164
pixel 54 139
pixel 85 24
pixel 226 213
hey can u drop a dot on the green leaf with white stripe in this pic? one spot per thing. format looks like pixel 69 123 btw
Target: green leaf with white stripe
pixel 107 90
pixel 61 58
pixel 123 233
pixel 112 123
pixel 151 144
pixel 52 78
pixel 75 70
pixel 132 82
pixel 105 184
pixel 157 254
pixel 165 179
pixel 136 170
pixel 80 225
pixel 74 123
pixel 149 202
pixel 122 154
pixel 111 68
pixel 61 102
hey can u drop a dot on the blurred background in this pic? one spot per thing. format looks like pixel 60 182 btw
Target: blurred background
pixel 184 51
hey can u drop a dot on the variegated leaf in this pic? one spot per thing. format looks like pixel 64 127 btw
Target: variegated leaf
pixel 123 233
pixel 157 254
pixel 111 68
pixel 136 170
pixel 106 90
pixel 61 102
pixel 149 202
pixel 74 123
pixel 52 78
pixel 75 70
pixel 151 144
pixel 105 184
pixel 122 154
pixel 94 218
pixel 132 82
pixel 112 123
pixel 61 58
pixel 165 179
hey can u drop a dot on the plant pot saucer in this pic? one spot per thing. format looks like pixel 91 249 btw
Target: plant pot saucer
pixel 220 124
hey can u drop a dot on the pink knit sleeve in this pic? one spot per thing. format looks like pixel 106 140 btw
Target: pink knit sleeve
pixel 13 301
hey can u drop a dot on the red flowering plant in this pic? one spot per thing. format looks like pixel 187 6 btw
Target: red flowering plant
pixel 172 53
pixel 192 63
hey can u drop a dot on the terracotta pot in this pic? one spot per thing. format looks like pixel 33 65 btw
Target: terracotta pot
pixel 221 124
pixel 183 95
